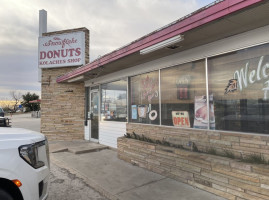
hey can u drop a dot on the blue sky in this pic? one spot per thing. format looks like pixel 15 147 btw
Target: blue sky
pixel 112 24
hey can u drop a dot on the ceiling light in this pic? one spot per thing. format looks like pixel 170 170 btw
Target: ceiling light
pixel 162 44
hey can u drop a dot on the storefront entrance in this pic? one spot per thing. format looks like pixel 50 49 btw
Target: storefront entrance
pixel 94 113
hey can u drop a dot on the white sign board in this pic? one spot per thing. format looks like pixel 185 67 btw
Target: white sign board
pixel 61 50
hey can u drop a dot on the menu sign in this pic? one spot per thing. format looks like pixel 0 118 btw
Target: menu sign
pixel 61 50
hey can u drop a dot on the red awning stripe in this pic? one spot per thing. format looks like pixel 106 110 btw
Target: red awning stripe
pixel 198 18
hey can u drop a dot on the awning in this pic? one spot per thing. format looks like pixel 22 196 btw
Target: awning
pixel 35 101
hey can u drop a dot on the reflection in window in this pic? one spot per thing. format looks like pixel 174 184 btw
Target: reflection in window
pixel 114 101
pixel 183 95
pixel 239 83
pixel 144 98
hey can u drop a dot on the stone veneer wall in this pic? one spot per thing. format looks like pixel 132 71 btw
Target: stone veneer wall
pixel 222 176
pixel 62 106
pixel 239 144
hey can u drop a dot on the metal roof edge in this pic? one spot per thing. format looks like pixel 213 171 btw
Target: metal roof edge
pixel 198 18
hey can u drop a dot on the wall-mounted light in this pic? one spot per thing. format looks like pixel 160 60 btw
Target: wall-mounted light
pixel 162 44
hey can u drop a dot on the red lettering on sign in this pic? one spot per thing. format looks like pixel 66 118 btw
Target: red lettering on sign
pixel 42 55
pixel 60 53
pixel 187 121
pixel 181 121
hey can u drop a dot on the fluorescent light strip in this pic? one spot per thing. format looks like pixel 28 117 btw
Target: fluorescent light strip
pixel 162 44
pixel 79 78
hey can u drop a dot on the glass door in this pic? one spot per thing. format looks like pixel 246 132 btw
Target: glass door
pixel 94 113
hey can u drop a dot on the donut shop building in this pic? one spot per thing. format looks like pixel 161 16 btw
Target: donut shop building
pixel 201 82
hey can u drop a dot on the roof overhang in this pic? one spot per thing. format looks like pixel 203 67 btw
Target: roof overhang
pixel 214 22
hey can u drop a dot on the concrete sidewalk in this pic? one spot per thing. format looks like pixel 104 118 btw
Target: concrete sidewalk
pixel 100 168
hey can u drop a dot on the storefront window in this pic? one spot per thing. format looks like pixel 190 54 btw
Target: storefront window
pixel 183 96
pixel 144 98
pixel 114 101
pixel 239 85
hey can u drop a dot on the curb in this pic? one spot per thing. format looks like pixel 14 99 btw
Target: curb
pixel 87 180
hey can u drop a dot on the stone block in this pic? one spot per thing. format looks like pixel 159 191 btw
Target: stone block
pixel 241 166
pixel 153 161
pixel 203 182
pixel 261 169
pixel 140 163
pixel 214 160
pixel 158 169
pixel 219 183
pixel 220 142
pixel 188 167
pixel 230 138
pixel 253 188
pixel 213 135
pixel 243 195
pixel 215 176
pixel 264 180
pixel 256 146
pixel 213 190
pixel 243 140
pixel 219 187
pixel 202 165
pixel 237 176
pixel 178 178
pixel 265 186
pixel 257 195
pixel 181 173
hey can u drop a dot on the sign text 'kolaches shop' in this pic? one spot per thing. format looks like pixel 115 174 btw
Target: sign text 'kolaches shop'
pixel 61 50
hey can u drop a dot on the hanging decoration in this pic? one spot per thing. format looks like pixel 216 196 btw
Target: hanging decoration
pixel 153 115
pixel 231 87
pixel 149 89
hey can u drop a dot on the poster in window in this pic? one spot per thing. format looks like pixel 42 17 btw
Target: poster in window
pixel 181 119
pixel 183 84
pixel 134 112
pixel 106 106
pixel 142 111
pixel 149 88
pixel 200 115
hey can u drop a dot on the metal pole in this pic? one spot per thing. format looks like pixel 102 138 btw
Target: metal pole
pixel 207 94
pixel 42 29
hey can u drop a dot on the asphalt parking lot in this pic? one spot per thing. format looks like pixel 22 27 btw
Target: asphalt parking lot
pixel 25 121
pixel 63 184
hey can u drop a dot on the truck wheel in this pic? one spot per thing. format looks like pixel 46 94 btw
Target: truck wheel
pixel 5 195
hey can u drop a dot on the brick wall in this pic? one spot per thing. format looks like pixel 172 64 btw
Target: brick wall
pixel 62 107
pixel 239 144
pixel 222 176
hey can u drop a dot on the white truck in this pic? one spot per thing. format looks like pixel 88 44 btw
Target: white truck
pixel 24 165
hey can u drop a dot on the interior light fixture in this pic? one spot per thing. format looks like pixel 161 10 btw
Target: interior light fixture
pixel 162 44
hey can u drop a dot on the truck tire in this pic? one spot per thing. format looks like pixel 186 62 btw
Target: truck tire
pixel 4 195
